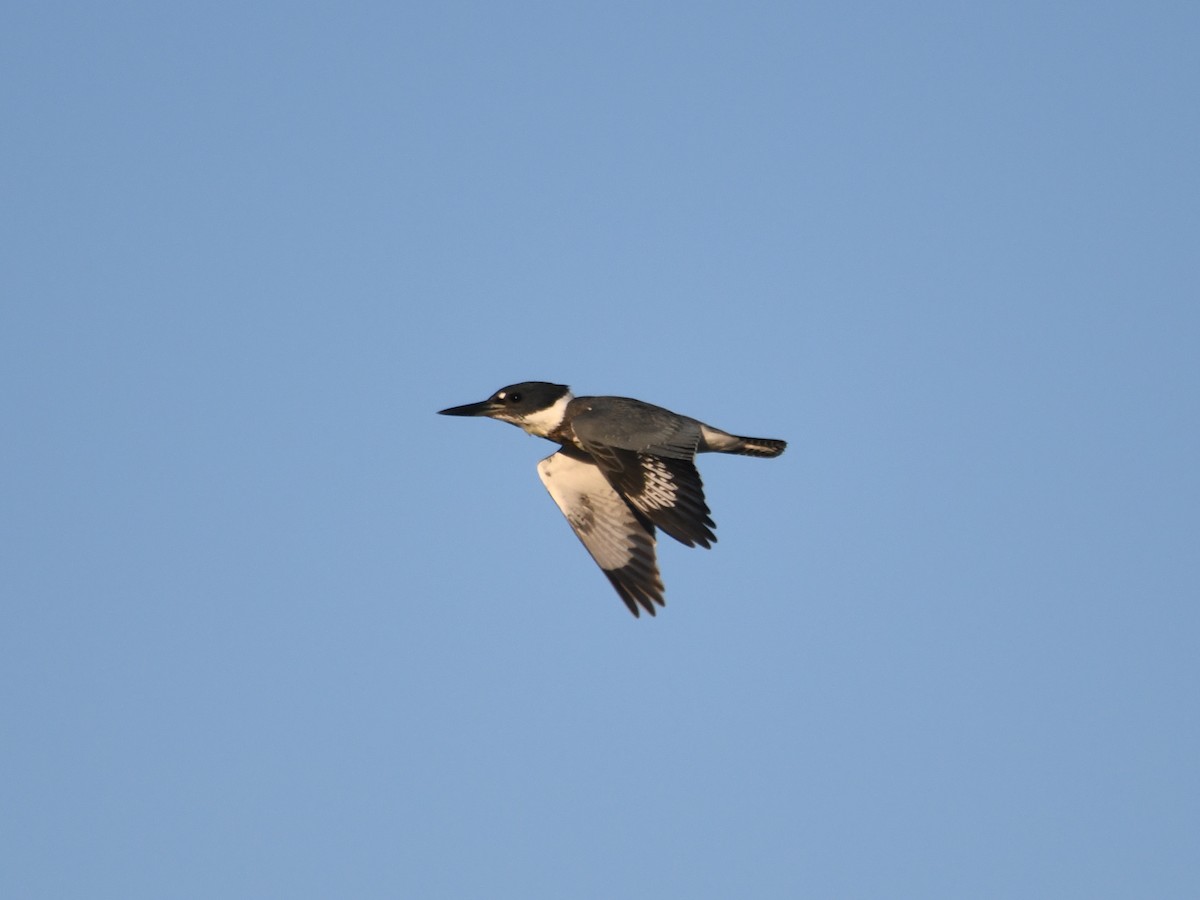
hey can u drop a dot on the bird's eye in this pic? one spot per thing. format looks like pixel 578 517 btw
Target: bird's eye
pixel 513 398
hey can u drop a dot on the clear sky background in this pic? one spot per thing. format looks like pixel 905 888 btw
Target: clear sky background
pixel 271 628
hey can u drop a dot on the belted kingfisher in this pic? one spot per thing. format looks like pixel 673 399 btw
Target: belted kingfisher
pixel 625 468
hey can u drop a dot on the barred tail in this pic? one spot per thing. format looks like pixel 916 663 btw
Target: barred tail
pixel 763 447
pixel 714 440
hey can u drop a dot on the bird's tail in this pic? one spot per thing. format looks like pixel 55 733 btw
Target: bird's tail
pixel 717 441
pixel 764 447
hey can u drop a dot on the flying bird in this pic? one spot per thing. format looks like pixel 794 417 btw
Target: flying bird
pixel 624 468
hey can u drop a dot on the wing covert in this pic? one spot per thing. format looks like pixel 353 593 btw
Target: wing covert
pixel 633 425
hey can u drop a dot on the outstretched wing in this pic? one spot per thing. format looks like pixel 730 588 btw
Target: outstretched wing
pixel 650 462
pixel 620 540
pixel 667 491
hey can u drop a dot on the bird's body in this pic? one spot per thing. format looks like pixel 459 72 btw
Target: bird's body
pixel 624 469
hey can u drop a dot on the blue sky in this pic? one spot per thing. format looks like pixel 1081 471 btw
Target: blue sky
pixel 273 628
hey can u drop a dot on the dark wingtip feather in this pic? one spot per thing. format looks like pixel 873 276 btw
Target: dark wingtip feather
pixel 638 596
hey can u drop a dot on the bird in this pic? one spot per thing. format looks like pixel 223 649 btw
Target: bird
pixel 623 470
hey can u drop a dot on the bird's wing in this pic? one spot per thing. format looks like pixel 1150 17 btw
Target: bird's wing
pixel 650 466
pixel 666 490
pixel 619 539
pixel 633 425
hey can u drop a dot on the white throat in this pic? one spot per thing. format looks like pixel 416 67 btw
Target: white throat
pixel 544 421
